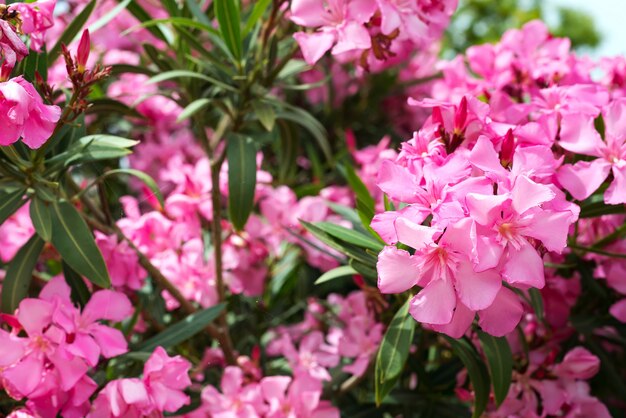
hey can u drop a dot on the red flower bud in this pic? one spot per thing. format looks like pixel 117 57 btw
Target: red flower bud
pixel 83 51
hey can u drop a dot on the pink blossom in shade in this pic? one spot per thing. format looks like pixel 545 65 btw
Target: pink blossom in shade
pixel 122 398
pixel 23 114
pixel 578 135
pixel 12 49
pixel 237 399
pixel 578 363
pixel 36 18
pixel 360 340
pixel 340 23
pixel 291 398
pixel 618 310
pixel 14 233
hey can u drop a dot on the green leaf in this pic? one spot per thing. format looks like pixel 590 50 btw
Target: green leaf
pixel 193 108
pixel 145 178
pixel 73 29
pixel 537 302
pixel 241 154
pixel 265 113
pixel 393 352
pixel 255 15
pixel 111 141
pixel 308 122
pixel 169 75
pixel 227 13
pixel 350 235
pixel 107 106
pixel 140 13
pixel 359 188
pixel 335 273
pixel 476 370
pixel 75 243
pixel 500 360
pixel 20 273
pixel 183 330
pixel 10 203
pixel 40 216
pixel 80 292
pixel 343 247
pixel 35 62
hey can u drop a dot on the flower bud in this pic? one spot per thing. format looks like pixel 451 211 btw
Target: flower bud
pixel 578 364
pixel 83 51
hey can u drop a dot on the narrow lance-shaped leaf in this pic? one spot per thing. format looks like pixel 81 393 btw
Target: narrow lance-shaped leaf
pixel 335 273
pixel 476 370
pixel 241 154
pixel 255 15
pixel 10 203
pixel 393 352
pixel 227 13
pixel 500 360
pixel 73 240
pixel 40 216
pixel 80 292
pixel 350 235
pixel 193 108
pixel 183 330
pixel 145 178
pixel 20 273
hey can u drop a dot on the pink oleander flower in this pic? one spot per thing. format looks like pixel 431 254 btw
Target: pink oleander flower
pixel 237 399
pixel 313 357
pixel 291 398
pixel 579 135
pixel 341 24
pixel 122 262
pixel 14 233
pixel 578 363
pixel 159 390
pixel 12 49
pixel 23 114
pixel 36 18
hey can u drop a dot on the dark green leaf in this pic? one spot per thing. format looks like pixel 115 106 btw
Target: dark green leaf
pixel 40 216
pixel 350 235
pixel 343 247
pixel 241 154
pixel 183 330
pixel 75 243
pixel 500 360
pixel 335 273
pixel 80 292
pixel 308 122
pixel 255 15
pixel 359 188
pixel 537 302
pixel 265 113
pixel 227 13
pixel 599 125
pixel 393 352
pixel 108 16
pixel 197 12
pixel 169 75
pixel 107 106
pixel 73 29
pixel 20 273
pixel 140 13
pixel 476 370
pixel 10 203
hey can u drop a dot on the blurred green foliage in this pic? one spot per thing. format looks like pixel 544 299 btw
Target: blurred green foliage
pixel 480 21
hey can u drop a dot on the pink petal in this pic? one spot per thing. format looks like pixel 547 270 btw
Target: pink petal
pixel 615 117
pixel 71 369
pixel 527 194
pixel 11 349
pixel 550 228
pixel 275 387
pixel 56 287
pixel 503 315
pixel 397 182
pixel 461 321
pixel 314 45
pixel 308 13
pixel 584 177
pixel 524 267
pixel 618 310
pixel 107 304
pixel 476 290
pixel 397 270
pixel 414 235
pixel 484 156
pixel 484 208
pixel 352 37
pixel 435 303
pixel 616 193
pixel 34 315
pixel 110 340
pixel 26 375
pixel 578 134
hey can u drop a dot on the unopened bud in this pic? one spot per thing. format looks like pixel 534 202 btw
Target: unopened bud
pixel 83 51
